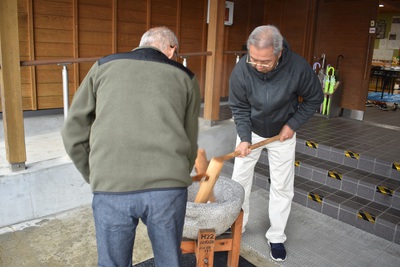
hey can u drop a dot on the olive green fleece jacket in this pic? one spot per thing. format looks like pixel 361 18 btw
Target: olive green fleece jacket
pixel 133 123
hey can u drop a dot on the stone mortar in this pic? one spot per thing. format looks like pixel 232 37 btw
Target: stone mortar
pixel 219 215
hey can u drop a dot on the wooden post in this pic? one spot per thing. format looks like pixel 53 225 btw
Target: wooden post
pixel 10 83
pixel 208 243
pixel 215 42
pixel 205 248
pixel 234 252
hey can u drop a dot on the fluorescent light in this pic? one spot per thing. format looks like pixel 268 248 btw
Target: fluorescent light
pixel 380 5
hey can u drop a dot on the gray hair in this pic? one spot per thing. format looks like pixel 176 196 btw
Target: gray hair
pixel 159 37
pixel 266 36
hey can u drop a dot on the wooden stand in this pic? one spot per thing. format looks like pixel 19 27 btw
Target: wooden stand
pixel 207 243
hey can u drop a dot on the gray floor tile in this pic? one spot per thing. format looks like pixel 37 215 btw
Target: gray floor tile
pixel 315 239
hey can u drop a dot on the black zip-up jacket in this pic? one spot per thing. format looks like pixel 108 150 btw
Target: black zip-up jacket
pixel 264 102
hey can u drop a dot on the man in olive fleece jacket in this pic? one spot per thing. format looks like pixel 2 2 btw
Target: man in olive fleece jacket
pixel 132 132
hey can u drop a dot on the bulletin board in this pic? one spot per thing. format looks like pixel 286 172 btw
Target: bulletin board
pixel 380 29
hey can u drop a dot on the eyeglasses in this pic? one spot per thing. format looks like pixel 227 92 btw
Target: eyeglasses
pixel 253 64
pixel 175 51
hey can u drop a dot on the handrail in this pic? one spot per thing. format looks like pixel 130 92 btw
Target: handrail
pixel 239 52
pixel 66 61
pixel 27 63
pixel 236 53
pixel 57 61
pixel 208 53
pixel 91 59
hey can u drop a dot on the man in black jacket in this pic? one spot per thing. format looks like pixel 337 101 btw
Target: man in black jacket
pixel 265 87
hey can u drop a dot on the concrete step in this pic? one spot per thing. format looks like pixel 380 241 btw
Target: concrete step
pixel 363 192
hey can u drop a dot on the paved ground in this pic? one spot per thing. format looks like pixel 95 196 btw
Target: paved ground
pixel 66 239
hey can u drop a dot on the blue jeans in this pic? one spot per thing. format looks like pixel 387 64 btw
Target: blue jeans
pixel 117 215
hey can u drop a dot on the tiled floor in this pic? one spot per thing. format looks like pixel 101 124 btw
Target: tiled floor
pixel 383 118
pixel 377 136
pixel 315 239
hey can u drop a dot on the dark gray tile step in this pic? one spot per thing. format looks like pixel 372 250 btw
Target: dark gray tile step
pixel 383 190
pixel 349 157
pixel 371 186
pixel 362 213
pixel 374 187
pixel 368 215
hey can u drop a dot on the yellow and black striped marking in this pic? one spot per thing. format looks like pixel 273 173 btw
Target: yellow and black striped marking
pixel 351 154
pixel 366 216
pixel 297 163
pixel 384 190
pixel 311 144
pixel 396 166
pixel 315 197
pixel 335 174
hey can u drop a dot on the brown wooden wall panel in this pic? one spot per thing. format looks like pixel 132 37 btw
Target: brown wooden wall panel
pixel 95 9
pixel 192 36
pixel 346 32
pixel 95 28
pixel 53 7
pixel 236 34
pixel 22 7
pixel 51 89
pixel 63 22
pixel 94 12
pixel 48 50
pixel 50 102
pixel 26 91
pixel 46 91
pixel 131 15
pixel 49 74
pixel 192 41
pixel 53 39
pixel 24 49
pixel 26 75
pixel 53 36
pixel 295 21
pixel 22 19
pixel 164 13
pixel 93 50
pixel 138 7
pixel 256 14
pixel 164 7
pixel 95 38
pixel 129 28
pixel 295 28
pixel 234 39
pixel 95 25
pixel 131 24
pixel 23 34
pixel 26 102
pixel 273 12
pixel 192 19
pixel 83 69
pixel 53 29
pixel 127 42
